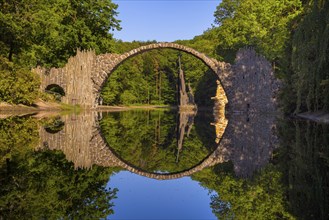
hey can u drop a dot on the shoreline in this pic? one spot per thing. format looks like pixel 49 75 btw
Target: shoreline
pixel 125 108
pixel 319 116
pixel 53 107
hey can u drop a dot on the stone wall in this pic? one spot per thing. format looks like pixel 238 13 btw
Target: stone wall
pixel 252 85
pixel 74 78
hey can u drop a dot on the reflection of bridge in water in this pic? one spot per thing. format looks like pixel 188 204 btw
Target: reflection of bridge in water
pixel 247 142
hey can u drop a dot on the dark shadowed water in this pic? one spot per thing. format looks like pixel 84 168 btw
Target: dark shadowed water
pixel 147 164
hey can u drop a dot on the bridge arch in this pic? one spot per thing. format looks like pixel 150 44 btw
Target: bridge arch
pixel 89 147
pixel 55 90
pixel 107 63
pixel 106 157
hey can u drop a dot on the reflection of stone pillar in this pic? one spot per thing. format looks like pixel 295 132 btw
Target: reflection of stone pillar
pixel 190 94
pixel 186 100
pixel 186 121
pixel 249 141
pixel 74 139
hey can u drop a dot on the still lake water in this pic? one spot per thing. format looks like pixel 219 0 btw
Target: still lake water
pixel 147 164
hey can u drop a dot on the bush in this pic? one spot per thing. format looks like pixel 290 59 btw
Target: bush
pixel 18 85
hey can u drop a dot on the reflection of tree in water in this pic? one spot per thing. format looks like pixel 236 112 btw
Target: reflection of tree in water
pixel 304 160
pixel 35 182
pixel 150 140
pixel 43 184
pixel 260 197
pixel 293 185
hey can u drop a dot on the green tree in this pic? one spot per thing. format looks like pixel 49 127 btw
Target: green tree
pixel 70 25
pixel 18 85
pixel 309 60
pixel 262 24
pixel 226 9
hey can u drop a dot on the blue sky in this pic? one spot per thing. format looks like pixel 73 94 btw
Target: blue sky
pixel 164 20
pixel 147 198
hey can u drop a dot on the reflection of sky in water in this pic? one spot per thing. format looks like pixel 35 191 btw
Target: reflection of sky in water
pixel 143 198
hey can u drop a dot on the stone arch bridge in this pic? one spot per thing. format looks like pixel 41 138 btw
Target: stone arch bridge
pixel 248 85
pixel 83 77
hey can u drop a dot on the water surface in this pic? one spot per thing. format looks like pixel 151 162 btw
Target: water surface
pixel 163 165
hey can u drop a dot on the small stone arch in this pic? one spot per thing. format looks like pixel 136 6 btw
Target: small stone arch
pixel 54 126
pixel 55 90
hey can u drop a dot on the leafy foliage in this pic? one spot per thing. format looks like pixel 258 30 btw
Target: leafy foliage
pixel 70 25
pixel 309 61
pixel 262 24
pixel 17 85
pixel 47 33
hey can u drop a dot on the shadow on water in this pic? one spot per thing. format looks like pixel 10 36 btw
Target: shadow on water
pixel 260 167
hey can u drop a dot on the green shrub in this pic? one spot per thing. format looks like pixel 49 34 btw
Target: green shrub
pixel 18 85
